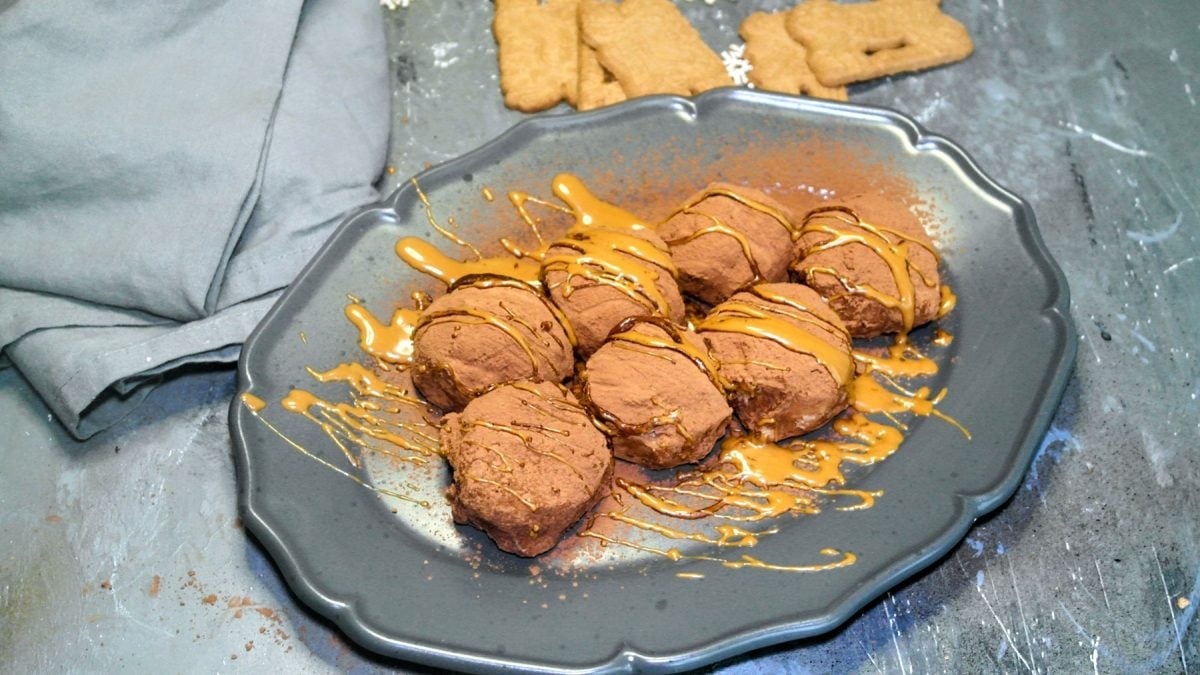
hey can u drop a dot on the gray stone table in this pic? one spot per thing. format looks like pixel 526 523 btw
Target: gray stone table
pixel 124 553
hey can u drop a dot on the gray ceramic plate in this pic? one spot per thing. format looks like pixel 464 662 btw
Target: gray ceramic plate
pixel 407 586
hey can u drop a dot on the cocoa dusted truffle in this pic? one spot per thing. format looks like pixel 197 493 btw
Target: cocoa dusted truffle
pixel 656 391
pixel 599 276
pixel 878 277
pixel 527 462
pixel 486 331
pixel 725 238
pixel 786 356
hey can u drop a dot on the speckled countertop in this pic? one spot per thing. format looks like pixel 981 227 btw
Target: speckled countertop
pixel 124 553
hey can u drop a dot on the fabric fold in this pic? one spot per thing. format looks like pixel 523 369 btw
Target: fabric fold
pixel 164 173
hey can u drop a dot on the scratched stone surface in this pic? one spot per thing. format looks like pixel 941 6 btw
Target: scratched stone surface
pixel 124 553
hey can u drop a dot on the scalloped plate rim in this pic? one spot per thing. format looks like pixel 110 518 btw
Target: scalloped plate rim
pixel 970 506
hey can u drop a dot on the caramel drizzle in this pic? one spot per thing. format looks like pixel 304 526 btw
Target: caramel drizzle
pixel 948 301
pixel 751 479
pixel 875 237
pixel 779 216
pixel 719 227
pixel 776 322
pixel 445 232
pixel 391 342
pixel 426 258
pixel 902 360
pixel 604 247
pixel 339 470
pixel 526 439
pixel 624 336
pixel 529 503
pixel 497 281
pixel 844 558
pixel 675 342
pixel 368 384
pixel 754 478
pixel 346 423
pixel 523 433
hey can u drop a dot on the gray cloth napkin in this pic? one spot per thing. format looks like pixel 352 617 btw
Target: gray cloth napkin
pixel 165 169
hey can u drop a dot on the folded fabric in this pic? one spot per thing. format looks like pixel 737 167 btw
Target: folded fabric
pixel 165 169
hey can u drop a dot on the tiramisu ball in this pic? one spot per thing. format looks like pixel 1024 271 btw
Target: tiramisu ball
pixel 786 356
pixel 487 331
pixel 725 238
pixel 656 391
pixel 527 464
pixel 600 276
pixel 879 276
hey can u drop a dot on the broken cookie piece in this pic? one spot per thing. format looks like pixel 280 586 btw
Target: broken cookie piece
pixel 854 42
pixel 538 46
pixel 650 47
pixel 780 63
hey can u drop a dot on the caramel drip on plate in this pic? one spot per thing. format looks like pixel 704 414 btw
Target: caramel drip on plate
pixel 339 470
pixel 902 360
pixel 831 220
pixel 253 403
pixel 445 232
pixel 777 324
pixel 426 258
pixel 519 201
pixel 868 395
pixel 948 302
pixel 367 383
pixel 391 342
pixel 844 558
pixel 941 338
pixel 348 423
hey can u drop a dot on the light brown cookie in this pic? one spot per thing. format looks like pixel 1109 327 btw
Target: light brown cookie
pixel 538 52
pixel 780 63
pixel 597 86
pixel 854 42
pixel 650 47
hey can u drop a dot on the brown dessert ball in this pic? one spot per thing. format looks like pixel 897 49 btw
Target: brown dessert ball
pixel 597 283
pixel 654 389
pixel 527 462
pixel 786 356
pixel 726 238
pixel 879 276
pixel 484 332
